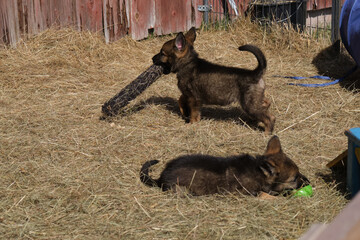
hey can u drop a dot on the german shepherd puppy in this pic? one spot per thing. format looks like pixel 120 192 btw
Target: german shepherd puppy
pixel 202 82
pixel 271 173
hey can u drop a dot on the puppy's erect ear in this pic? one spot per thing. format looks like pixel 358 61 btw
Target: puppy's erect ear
pixel 273 146
pixel 180 41
pixel 191 35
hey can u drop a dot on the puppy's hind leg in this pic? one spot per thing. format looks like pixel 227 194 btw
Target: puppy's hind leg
pixel 266 103
pixel 269 119
pixel 257 107
pixel 262 116
pixel 269 122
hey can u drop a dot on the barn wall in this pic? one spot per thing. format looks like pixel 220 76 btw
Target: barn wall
pixel 116 18
pixel 113 18
pixel 319 14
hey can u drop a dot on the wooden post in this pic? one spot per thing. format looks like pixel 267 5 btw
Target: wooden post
pixel 335 21
pixel 303 14
pixel 105 22
pixel 9 18
pixel 206 13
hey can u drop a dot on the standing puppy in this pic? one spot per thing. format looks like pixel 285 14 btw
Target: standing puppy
pixel 202 82
pixel 271 173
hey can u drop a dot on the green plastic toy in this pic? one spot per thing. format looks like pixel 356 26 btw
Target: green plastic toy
pixel 306 191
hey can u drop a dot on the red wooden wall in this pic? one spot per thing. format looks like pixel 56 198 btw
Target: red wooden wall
pixel 22 17
pixel 320 4
pixel 113 18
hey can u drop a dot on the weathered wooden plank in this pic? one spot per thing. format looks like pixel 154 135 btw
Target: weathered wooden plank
pixel 223 8
pixel 2 27
pixel 173 16
pixel 345 226
pixel 38 18
pixel 243 6
pixel 3 23
pixel 237 9
pixel 49 12
pixel 89 15
pixel 38 15
pixel 142 18
pixel 335 21
pixel 9 18
pixel 60 13
pixel 217 10
pixel 196 16
pixel 320 4
pixel 32 17
pixel 115 19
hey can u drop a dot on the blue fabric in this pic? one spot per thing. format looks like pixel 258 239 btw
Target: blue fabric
pixel 314 84
pixel 319 77
pixel 350 28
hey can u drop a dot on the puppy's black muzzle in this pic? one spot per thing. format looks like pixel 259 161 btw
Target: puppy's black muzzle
pixel 156 60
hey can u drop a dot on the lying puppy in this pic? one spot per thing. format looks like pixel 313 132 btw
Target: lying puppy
pixel 271 173
pixel 202 82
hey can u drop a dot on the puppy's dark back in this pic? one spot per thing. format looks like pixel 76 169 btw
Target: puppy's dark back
pixel 210 163
pixel 204 174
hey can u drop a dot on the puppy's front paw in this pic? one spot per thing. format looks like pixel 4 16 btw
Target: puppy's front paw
pixel 195 118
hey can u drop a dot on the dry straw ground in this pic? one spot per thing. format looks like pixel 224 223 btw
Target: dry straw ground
pixel 64 174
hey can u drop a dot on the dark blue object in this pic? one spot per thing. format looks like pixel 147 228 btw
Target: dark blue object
pixel 350 28
pixel 353 159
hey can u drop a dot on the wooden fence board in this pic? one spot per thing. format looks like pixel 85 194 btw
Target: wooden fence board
pixel 64 14
pixel 216 12
pixel 243 5
pixel 115 19
pixel 89 15
pixel 10 31
pixel 2 24
pixel 172 16
pixel 196 16
pixel 2 27
pixel 38 15
pixel 218 9
pixel 142 18
pixel 28 16
pixel 320 4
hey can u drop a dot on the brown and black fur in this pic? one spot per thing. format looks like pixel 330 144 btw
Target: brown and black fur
pixel 271 173
pixel 202 82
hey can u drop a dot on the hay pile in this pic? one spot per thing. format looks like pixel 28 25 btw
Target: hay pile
pixel 66 174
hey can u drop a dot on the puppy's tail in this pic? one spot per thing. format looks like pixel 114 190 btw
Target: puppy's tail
pixel 260 69
pixel 144 174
